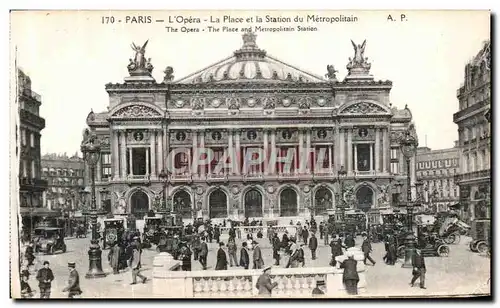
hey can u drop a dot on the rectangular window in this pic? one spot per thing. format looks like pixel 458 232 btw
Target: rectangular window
pixel 106 159
pixel 32 140
pixel 33 169
pixel 394 153
pixel 106 172
pixel 23 136
pixel 394 168
pixel 25 169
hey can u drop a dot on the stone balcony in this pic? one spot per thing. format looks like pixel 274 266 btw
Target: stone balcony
pixel 473 176
pixel 170 282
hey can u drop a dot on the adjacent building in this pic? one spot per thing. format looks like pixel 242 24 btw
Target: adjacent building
pixel 65 180
pixel 436 171
pixel 31 184
pixel 474 128
pixel 258 115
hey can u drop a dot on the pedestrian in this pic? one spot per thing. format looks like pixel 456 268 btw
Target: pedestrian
pixel 419 270
pixel 210 231
pixel 391 254
pixel 366 247
pixel 135 264
pixel 350 276
pixel 231 250
pixel 305 235
pixel 29 254
pixel 276 248
pixel 258 261
pixel 221 258
pixel 336 249
pixel 217 233
pixel 264 283
pixel 26 291
pixel 244 257
pixel 270 234
pixel 313 245
pixel 294 260
pixel 321 230
pixel 349 241
pixel 114 257
pixel 196 245
pixel 302 255
pixel 45 277
pixel 232 232
pixel 185 256
pixel 73 287
pixel 284 240
pixel 202 257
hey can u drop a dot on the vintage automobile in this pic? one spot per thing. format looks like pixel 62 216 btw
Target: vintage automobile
pixel 152 231
pixel 49 240
pixel 113 231
pixel 431 243
pixel 451 230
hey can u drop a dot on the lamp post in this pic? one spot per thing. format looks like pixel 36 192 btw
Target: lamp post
pixel 341 174
pixel 166 199
pixel 408 145
pixel 91 151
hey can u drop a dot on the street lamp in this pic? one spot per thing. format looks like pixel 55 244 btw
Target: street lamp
pixel 408 145
pixel 341 174
pixel 166 206
pixel 91 151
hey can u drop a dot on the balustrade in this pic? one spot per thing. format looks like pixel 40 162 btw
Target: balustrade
pixel 234 283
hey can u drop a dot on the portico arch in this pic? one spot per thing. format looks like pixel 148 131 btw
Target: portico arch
pixel 139 203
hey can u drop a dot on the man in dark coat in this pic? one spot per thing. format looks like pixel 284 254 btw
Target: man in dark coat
pixel 217 233
pixel 203 253
pixel 391 252
pixel 29 254
pixel 321 230
pixel 317 292
pixel 26 291
pixel 196 245
pixel 231 250
pixel 284 240
pixel 418 263
pixel 73 287
pixel 258 261
pixel 264 283
pixel 221 258
pixel 366 247
pixel 45 277
pixel 185 256
pixel 244 257
pixel 336 249
pixel 276 248
pixel 232 232
pixel 350 276
pixel 349 241
pixel 305 235
pixel 313 245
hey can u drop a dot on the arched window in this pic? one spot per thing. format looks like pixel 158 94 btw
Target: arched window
pixel 139 203
pixel 364 195
pixel 182 204
pixel 253 203
pixel 288 202
pixel 217 204
pixel 322 200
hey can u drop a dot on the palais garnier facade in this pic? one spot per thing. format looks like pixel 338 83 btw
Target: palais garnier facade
pixel 268 113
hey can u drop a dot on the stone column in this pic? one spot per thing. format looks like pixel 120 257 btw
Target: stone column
pixel 130 161
pixel 371 158
pixel 123 154
pixel 349 150
pixel 308 149
pixel 302 155
pixel 115 154
pixel 194 155
pixel 273 151
pixel 266 151
pixel 237 156
pixel 231 150
pixel 377 149
pixel 330 157
pixel 148 170
pixel 153 153
pixel 356 157
pixel 386 151
pixel 202 146
pixel 341 147
pixel 160 150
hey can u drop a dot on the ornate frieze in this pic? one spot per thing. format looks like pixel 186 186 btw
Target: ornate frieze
pixel 287 135
pixel 136 111
pixel 322 134
pixel 139 136
pixel 363 108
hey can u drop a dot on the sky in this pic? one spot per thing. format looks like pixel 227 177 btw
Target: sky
pixel 70 56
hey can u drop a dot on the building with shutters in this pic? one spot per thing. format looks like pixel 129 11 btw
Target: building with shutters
pixel 474 131
pixel 259 110
pixel 436 170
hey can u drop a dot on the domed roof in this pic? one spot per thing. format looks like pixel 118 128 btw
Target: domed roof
pixel 250 64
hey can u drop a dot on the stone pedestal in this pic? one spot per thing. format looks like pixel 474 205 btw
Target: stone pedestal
pixel 164 265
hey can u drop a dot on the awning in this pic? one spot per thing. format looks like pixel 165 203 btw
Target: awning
pixel 39 212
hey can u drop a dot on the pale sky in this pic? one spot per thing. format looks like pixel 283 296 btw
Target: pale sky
pixel 70 56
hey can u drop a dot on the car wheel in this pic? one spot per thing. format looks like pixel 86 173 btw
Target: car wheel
pixel 443 251
pixel 473 246
pixel 401 252
pixel 482 247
